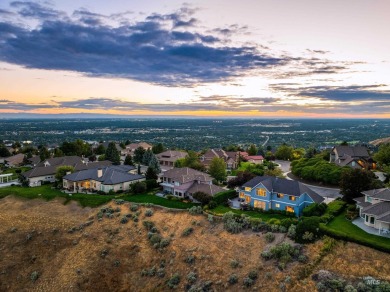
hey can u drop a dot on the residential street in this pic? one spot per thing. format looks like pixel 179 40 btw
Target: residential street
pixel 328 193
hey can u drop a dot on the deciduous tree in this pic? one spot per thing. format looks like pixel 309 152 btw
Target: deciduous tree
pixel 218 169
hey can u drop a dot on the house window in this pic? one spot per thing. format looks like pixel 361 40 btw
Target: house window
pixel 259 204
pixel 366 218
pixel 261 192
pixel 372 220
pixel 248 199
pixel 369 199
pixel 277 205
pixel 242 195
pixel 292 198
pixel 280 196
pixel 289 209
pixel 248 189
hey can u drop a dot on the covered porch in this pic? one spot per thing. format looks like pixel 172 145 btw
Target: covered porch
pixel 79 186
pixel 5 178
pixel 384 229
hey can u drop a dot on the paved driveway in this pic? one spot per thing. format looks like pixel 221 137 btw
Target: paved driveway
pixel 328 193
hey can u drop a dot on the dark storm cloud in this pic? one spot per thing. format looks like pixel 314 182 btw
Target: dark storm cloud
pixel 8 104
pixel 36 10
pixel 162 49
pixel 338 93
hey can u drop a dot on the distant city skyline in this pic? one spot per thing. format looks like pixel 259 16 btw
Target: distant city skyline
pixel 261 59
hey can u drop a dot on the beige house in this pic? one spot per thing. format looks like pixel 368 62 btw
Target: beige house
pixel 184 182
pixel 168 158
pixel 112 178
pixel 231 158
pixel 45 171
pixel 14 161
pixel 352 156
pixel 374 208
pixel 133 146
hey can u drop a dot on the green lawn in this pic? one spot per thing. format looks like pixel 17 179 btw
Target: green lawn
pixel 220 210
pixel 149 198
pixel 87 200
pixel 13 171
pixel 345 228
pixel 47 193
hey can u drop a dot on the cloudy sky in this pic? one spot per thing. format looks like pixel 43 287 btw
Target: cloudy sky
pixel 248 58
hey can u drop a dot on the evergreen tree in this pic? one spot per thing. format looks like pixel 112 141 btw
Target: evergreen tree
pixel 158 148
pixel 147 157
pixel 128 160
pixel 4 151
pixel 218 169
pixel 155 164
pixel 44 153
pixel 150 173
pixel 138 154
pixel 100 149
pixel 112 154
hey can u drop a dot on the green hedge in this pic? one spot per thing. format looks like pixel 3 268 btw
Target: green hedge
pixel 222 197
pixel 382 246
pixel 335 207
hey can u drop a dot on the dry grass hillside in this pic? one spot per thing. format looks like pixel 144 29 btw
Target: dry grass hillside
pixel 48 246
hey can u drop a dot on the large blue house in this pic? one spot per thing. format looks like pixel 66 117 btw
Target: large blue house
pixel 273 193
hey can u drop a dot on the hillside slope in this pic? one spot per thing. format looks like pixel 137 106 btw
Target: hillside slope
pixel 48 246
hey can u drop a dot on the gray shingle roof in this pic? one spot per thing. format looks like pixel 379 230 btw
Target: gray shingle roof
pixel 41 170
pixel 205 188
pixel 171 155
pixel 110 175
pixel 284 186
pixel 186 174
pixel 361 202
pixel 378 209
pixel 380 194
pixel 384 218
pixel 353 151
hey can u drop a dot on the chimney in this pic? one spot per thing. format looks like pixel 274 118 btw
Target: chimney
pixel 99 172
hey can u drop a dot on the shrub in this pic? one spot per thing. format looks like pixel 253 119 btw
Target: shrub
pixel 148 224
pixel 148 212
pixel 210 218
pixel 34 276
pixel 335 207
pixel 266 255
pixel 191 277
pixel 269 237
pixel 253 274
pixel 212 204
pixel 314 209
pixel 164 242
pixel 174 281
pixel 310 225
pixel 233 279
pixel 291 233
pixel 223 197
pixel 190 259
pixel 195 210
pixel 234 263
pixel 134 207
pixel 274 221
pixel 151 184
pixel 155 239
pixel 248 282
pixel 119 201
pixel 202 197
pixel 139 187
pixel 187 231
pixel 124 220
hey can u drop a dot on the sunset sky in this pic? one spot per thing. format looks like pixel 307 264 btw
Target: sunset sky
pixel 248 58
